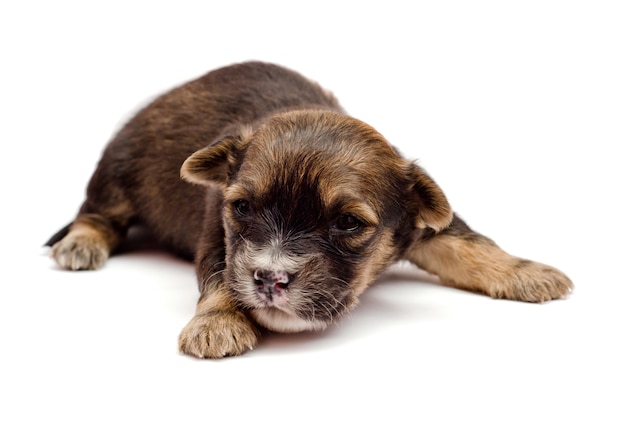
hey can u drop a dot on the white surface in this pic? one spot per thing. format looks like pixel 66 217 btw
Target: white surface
pixel 517 111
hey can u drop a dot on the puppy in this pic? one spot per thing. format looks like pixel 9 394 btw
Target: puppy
pixel 289 207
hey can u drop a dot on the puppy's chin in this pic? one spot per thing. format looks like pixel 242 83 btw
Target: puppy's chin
pixel 282 322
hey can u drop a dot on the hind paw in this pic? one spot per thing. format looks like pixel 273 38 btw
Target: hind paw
pixel 533 282
pixel 84 250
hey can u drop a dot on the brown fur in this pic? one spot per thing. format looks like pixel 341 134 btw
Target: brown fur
pixel 281 184
pixel 474 262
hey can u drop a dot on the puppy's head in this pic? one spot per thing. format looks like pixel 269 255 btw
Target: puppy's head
pixel 316 205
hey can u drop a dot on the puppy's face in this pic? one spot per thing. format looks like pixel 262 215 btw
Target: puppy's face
pixel 316 205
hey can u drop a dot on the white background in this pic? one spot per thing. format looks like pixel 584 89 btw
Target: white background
pixel 517 109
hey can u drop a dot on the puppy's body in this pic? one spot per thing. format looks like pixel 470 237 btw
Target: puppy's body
pixel 291 209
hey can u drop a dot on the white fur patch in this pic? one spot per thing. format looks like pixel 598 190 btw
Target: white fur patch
pixel 282 322
pixel 272 257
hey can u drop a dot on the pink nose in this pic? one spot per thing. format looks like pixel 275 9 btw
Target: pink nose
pixel 271 281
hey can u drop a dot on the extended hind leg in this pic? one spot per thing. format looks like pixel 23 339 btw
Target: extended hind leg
pixel 99 227
pixel 465 259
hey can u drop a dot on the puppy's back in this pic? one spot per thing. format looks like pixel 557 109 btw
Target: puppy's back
pixel 138 175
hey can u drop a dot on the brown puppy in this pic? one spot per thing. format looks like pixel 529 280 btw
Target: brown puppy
pixel 291 209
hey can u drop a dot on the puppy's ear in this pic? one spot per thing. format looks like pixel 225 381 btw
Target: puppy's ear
pixel 214 164
pixel 429 201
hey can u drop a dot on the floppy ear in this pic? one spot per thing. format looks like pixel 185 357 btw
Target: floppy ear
pixel 213 164
pixel 433 209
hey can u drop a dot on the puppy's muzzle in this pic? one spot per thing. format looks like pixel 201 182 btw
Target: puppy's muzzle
pixel 271 283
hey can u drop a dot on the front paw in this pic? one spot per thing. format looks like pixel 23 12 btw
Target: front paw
pixel 530 281
pixel 218 334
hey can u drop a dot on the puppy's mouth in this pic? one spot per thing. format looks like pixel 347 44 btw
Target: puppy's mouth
pixel 273 310
pixel 278 302
pixel 287 293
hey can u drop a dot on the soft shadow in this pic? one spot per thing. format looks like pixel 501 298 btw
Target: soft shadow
pixel 407 273
pixel 137 239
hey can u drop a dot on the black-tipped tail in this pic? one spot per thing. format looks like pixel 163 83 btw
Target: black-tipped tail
pixel 58 236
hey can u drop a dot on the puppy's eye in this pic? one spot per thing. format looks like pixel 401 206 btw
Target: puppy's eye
pixel 348 222
pixel 242 207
